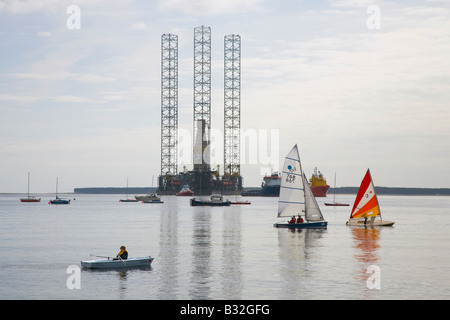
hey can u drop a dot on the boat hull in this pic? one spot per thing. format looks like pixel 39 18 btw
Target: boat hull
pixel 30 200
pixel 320 191
pixel 368 223
pixel 303 225
pixel 240 202
pixel 197 203
pixel 147 198
pixel 118 264
pixel 152 201
pixel 337 204
pixel 59 201
pixel 187 193
pixel 128 200
pixel 266 191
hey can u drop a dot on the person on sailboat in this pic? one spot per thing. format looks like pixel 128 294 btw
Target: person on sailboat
pixel 299 219
pixel 123 254
pixel 292 220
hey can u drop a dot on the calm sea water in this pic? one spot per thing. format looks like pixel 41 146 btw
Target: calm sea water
pixel 224 252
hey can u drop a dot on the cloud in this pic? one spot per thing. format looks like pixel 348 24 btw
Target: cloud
pixel 71 99
pixel 44 34
pixel 353 3
pixel 320 75
pixel 18 98
pixel 81 77
pixel 90 78
pixel 28 6
pixel 32 6
pixel 139 26
pixel 209 7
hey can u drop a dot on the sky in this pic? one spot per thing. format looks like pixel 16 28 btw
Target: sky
pixel 355 84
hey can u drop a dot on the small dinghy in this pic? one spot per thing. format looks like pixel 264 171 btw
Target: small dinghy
pixel 366 206
pixel 118 264
pixel 296 197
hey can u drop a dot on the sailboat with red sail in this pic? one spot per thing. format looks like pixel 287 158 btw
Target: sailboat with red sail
pixel 366 209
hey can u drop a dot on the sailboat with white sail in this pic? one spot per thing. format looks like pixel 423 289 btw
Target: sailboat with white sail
pixel 296 197
pixel 366 206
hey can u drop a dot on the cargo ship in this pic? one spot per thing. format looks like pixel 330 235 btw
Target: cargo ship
pixel 270 187
pixel 319 186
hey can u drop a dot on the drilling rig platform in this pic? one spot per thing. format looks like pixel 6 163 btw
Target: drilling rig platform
pixel 202 179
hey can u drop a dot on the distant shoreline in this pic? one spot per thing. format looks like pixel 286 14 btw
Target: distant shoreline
pixel 341 190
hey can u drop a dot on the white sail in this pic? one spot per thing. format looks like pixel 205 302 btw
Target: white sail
pixel 312 209
pixel 292 194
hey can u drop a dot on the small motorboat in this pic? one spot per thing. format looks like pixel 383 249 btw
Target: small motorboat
pixel 153 201
pixel 216 200
pixel 185 191
pixel 148 198
pixel 110 263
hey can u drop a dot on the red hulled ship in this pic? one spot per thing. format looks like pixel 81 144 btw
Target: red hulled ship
pixel 319 186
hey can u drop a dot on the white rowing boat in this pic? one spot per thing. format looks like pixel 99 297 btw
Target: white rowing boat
pixel 117 264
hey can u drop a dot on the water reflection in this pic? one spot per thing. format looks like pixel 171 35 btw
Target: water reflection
pixel 168 254
pixel 297 254
pixel 122 283
pixel 231 275
pixel 200 253
pixel 365 241
pixel 201 244
pixel 118 274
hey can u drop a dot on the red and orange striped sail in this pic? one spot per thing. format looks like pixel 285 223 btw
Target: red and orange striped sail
pixel 366 202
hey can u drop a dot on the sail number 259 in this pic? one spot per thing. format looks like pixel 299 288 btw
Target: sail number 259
pixel 290 178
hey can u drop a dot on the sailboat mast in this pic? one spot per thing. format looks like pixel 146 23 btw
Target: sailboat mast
pixel 334 189
pixel 376 197
pixel 28 193
pixel 301 172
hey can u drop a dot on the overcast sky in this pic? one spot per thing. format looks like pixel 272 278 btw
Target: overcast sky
pixel 356 84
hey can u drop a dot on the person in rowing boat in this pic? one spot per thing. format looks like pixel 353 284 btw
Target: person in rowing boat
pixel 122 255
